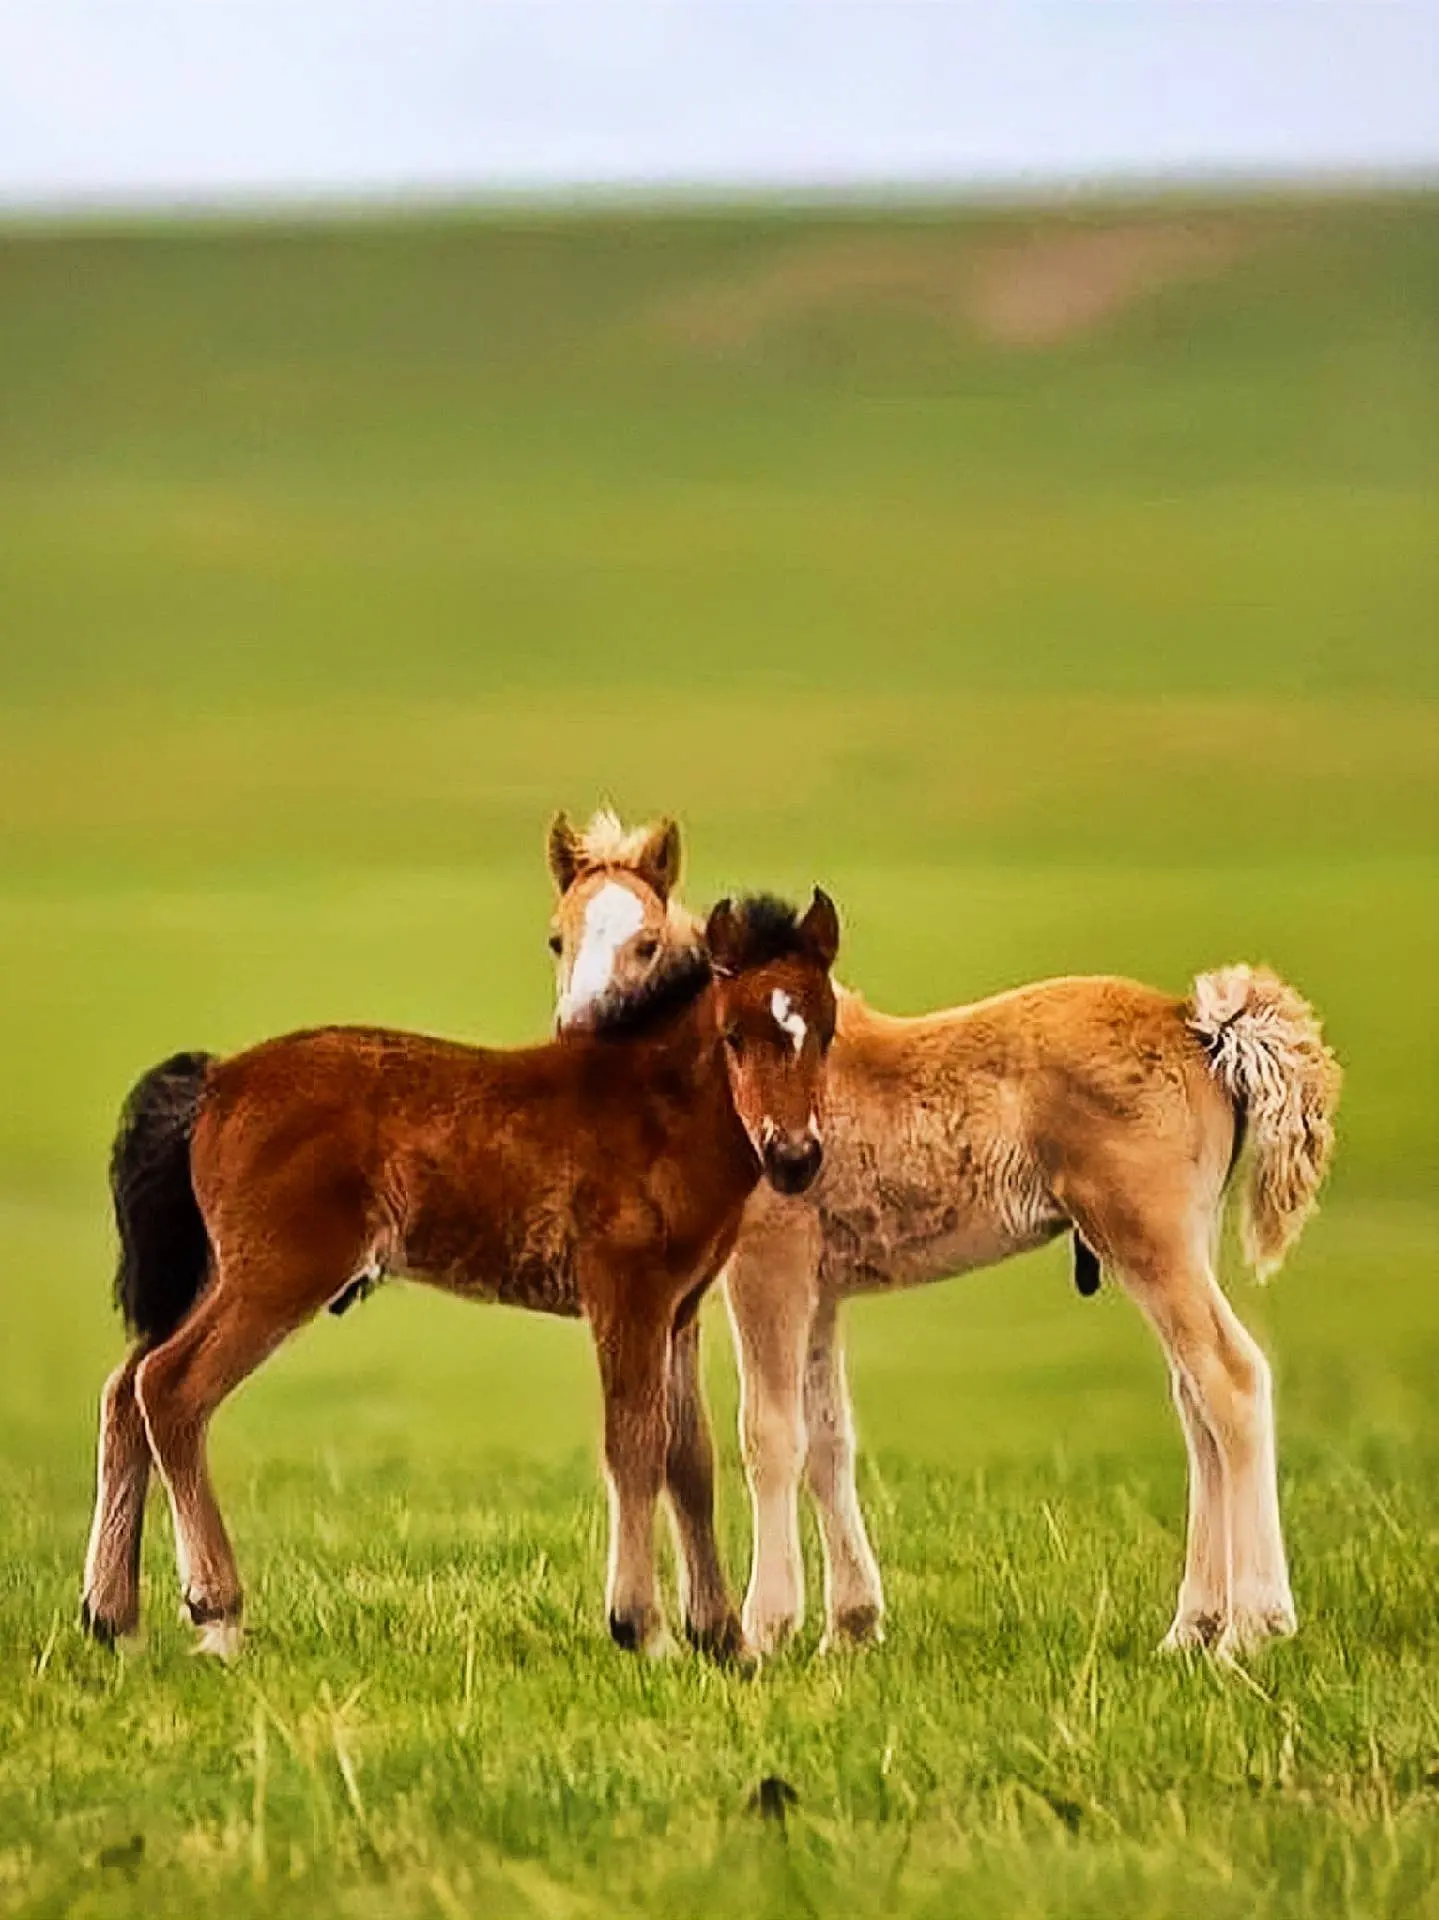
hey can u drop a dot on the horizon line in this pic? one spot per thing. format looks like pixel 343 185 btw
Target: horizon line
pixel 301 205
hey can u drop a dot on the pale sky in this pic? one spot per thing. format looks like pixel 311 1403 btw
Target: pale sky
pixel 110 101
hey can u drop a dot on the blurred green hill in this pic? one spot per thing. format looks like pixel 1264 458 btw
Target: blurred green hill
pixel 1061 586
pixel 1131 450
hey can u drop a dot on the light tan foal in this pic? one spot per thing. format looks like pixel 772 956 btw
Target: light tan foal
pixel 954 1140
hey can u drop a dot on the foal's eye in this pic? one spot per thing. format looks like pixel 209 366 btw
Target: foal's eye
pixel 647 948
pixel 556 945
pixel 734 1040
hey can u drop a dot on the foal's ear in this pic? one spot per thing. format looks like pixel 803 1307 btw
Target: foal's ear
pixel 722 937
pixel 562 847
pixel 658 863
pixel 819 929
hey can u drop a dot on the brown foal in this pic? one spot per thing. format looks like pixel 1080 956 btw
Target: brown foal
pixel 602 1175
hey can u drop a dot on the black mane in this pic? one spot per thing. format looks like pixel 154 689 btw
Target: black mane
pixel 764 928
pixel 676 982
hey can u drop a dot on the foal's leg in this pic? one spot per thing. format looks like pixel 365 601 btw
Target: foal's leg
pixel 226 1336
pixel 111 1603
pixel 769 1287
pixel 1230 1385
pixel 1147 1196
pixel 1203 1594
pixel 853 1591
pixel 634 1362
pixel 1261 1599
pixel 711 1622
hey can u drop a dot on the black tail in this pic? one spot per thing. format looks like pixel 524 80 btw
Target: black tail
pixel 164 1249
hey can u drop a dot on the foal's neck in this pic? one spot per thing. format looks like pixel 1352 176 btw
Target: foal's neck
pixel 688 1058
pixel 689 1041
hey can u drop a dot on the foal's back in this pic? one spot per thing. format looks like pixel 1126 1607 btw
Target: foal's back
pixel 949 1131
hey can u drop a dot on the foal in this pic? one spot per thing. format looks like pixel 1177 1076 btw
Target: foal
pixel 1092 1106
pixel 602 1175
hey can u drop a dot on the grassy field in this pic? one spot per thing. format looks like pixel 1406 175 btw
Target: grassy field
pixel 1060 590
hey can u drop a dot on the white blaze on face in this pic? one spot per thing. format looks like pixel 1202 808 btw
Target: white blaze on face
pixel 613 915
pixel 787 1018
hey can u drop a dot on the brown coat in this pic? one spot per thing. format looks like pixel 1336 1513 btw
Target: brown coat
pixel 604 1174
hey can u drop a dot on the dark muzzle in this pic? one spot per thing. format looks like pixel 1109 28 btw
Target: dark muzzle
pixel 792 1162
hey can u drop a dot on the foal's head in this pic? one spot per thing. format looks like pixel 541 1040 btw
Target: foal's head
pixel 774 1008
pixel 615 924
pixel 624 949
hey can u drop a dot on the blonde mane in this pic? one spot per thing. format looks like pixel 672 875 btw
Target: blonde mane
pixel 605 841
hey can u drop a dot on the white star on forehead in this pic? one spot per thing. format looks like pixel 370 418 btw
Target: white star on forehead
pixel 787 1019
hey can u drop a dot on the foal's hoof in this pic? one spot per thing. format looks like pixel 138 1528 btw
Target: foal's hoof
pixel 854 1627
pixel 1193 1633
pixel 722 1640
pixel 104 1629
pixel 220 1636
pixel 1249 1628
pixel 767 1637
pixel 221 1640
pixel 641 1633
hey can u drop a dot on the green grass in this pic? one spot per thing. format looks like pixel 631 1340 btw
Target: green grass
pixel 331 561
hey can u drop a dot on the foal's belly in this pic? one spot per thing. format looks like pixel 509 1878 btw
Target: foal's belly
pixel 872 1251
pixel 926 1218
pixel 538 1272
pixel 538 1290
pixel 539 1286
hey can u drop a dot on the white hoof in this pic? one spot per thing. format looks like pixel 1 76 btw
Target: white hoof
pixel 221 1640
pixel 1193 1632
pixel 857 1626
pixel 765 1638
pixel 1249 1627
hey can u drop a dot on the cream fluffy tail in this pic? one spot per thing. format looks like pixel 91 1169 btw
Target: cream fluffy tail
pixel 1267 1051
